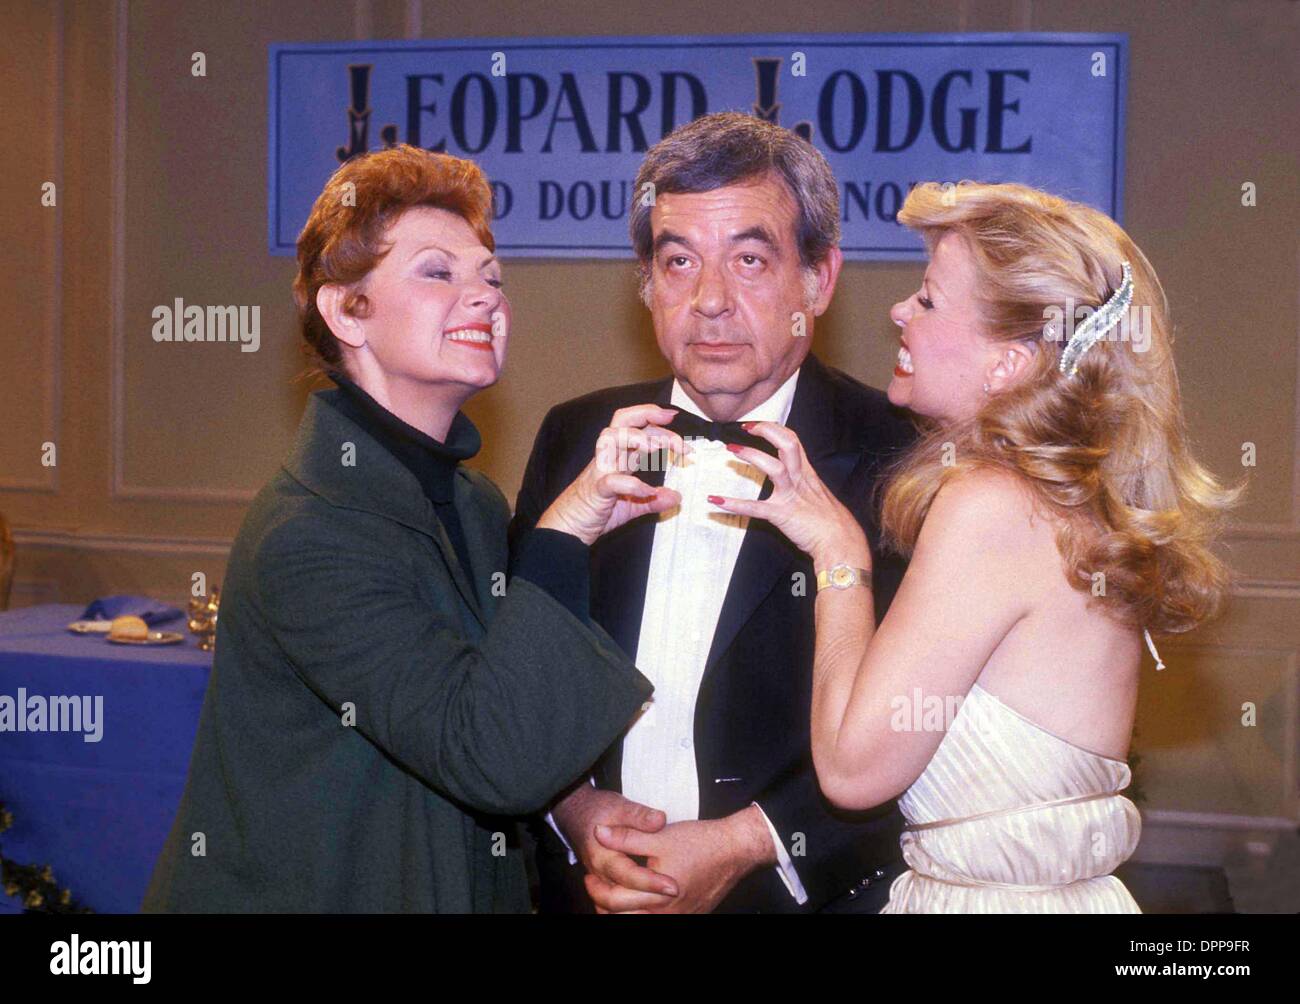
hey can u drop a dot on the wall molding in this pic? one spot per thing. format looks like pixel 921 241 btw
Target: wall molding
pixel 67 540
pixel 1268 589
pixel 1206 838
pixel 1217 820
pixel 95 540
pixel 1267 558
pixel 1265 531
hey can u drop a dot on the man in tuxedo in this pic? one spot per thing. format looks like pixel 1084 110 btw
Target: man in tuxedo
pixel 710 800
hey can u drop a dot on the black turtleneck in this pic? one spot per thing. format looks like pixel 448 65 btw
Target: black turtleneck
pixel 555 561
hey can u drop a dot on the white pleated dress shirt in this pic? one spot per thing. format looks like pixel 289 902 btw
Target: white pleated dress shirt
pixel 691 562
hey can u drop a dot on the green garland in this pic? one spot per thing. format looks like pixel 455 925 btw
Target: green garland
pixel 35 886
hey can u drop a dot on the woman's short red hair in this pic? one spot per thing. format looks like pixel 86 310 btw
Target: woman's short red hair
pixel 344 236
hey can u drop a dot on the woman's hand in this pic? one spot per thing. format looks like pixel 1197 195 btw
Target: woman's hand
pixel 801 506
pixel 607 494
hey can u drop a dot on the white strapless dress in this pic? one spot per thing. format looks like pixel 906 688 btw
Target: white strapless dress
pixel 1009 818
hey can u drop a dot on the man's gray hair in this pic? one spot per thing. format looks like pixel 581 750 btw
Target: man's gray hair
pixel 729 148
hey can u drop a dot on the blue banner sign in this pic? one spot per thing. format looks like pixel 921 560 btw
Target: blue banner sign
pixel 560 125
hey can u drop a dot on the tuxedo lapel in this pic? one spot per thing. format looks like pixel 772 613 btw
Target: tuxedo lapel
pixel 620 563
pixel 766 555
pixel 620 568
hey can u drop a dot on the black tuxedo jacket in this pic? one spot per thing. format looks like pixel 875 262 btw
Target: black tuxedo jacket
pixel 753 711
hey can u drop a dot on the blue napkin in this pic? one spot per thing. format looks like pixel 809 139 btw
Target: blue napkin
pixel 150 611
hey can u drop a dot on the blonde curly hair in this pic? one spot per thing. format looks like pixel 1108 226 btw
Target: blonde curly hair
pixel 1106 450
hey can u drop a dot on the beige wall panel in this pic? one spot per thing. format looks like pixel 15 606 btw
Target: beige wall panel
pixel 1196 753
pixel 31 79
pixel 195 228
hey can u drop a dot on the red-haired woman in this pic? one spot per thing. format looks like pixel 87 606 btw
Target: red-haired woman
pixel 1053 514
pixel 380 705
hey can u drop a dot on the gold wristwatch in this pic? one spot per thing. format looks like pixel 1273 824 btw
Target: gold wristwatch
pixel 843 577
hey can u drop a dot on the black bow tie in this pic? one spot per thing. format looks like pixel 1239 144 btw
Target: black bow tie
pixel 688 425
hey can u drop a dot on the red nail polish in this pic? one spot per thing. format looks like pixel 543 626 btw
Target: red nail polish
pixel 734 448
pixel 747 426
pixel 716 499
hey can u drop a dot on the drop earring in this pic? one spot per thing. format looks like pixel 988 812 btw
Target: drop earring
pixel 986 388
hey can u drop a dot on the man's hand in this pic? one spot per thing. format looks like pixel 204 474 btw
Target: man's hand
pixel 706 857
pixel 630 886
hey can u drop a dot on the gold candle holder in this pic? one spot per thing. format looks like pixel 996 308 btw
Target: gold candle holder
pixel 203 618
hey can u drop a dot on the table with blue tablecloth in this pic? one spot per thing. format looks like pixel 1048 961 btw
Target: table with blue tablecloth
pixel 96 812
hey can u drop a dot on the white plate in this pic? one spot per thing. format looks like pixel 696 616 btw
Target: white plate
pixel 90 627
pixel 155 638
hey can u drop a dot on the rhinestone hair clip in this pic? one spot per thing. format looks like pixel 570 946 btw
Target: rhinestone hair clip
pixel 1095 326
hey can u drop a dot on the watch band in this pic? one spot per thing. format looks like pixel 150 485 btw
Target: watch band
pixel 843 577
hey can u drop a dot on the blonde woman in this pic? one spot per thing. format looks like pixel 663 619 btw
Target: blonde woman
pixel 1053 516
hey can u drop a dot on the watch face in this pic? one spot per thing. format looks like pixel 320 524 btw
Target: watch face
pixel 841 576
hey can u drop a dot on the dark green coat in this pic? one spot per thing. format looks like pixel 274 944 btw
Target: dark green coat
pixel 344 597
